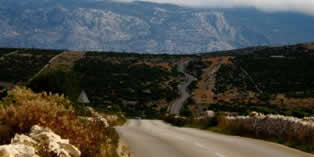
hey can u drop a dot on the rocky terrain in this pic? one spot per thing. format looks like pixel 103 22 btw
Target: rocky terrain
pixel 144 27
pixel 41 141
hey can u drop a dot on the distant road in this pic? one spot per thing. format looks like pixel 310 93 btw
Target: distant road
pixel 183 89
pixel 148 138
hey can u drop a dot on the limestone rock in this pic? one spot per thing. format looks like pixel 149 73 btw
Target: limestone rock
pixel 23 139
pixel 255 114
pixel 98 117
pixel 54 142
pixel 209 114
pixel 39 138
pixel 17 150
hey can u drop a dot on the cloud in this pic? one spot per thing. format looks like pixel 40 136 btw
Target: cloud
pixel 301 6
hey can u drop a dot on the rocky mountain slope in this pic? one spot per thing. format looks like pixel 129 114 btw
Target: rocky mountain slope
pixel 144 27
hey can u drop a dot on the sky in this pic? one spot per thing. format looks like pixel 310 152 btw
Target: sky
pixel 301 6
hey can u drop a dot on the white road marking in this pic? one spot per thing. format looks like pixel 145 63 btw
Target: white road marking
pixel 219 155
pixel 200 145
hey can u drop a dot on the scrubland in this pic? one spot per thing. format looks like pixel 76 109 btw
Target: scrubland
pixel 23 108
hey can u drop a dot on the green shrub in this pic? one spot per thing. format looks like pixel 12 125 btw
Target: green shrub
pixel 57 81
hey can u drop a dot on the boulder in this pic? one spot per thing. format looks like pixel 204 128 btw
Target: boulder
pixel 54 142
pixel 255 114
pixel 98 117
pixel 39 140
pixel 17 150
pixel 209 114
pixel 23 139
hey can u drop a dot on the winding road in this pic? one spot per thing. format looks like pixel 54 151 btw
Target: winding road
pixel 152 138
pixel 183 89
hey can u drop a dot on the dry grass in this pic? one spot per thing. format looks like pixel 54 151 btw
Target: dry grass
pixel 65 59
pixel 310 46
pixel 291 103
pixel 166 66
pixel 22 109
pixel 204 94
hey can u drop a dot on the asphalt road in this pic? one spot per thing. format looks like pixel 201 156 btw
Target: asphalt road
pixel 183 90
pixel 148 138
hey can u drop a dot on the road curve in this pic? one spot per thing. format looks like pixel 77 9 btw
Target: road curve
pixel 183 89
pixel 148 138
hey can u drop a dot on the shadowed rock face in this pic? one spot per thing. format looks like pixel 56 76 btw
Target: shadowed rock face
pixel 143 27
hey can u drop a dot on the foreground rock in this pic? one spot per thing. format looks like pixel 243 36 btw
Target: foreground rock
pixel 40 142
pixel 97 117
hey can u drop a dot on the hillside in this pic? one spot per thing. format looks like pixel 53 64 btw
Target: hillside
pixel 18 65
pixel 266 79
pixel 140 85
pixel 144 27
pixel 276 80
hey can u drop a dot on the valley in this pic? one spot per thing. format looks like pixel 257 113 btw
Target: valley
pixel 223 92
pixel 150 85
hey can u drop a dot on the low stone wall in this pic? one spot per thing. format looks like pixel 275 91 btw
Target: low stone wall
pixel 289 128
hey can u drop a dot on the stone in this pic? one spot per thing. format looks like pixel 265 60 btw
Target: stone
pixel 54 142
pixel 39 138
pixel 17 150
pixel 98 117
pixel 23 139
pixel 209 114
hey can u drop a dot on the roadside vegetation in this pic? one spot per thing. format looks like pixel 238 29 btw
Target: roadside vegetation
pixel 293 132
pixel 23 108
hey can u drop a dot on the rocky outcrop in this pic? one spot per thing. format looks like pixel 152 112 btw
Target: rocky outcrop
pixel 17 150
pixel 39 142
pixel 309 119
pixel 97 117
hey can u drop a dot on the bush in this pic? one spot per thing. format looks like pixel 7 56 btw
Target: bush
pixel 57 81
pixel 175 120
pixel 22 109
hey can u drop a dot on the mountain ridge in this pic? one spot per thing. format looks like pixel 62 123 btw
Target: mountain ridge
pixel 145 27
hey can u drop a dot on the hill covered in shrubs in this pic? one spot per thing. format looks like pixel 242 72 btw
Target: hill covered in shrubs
pixel 275 80
pixel 270 80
